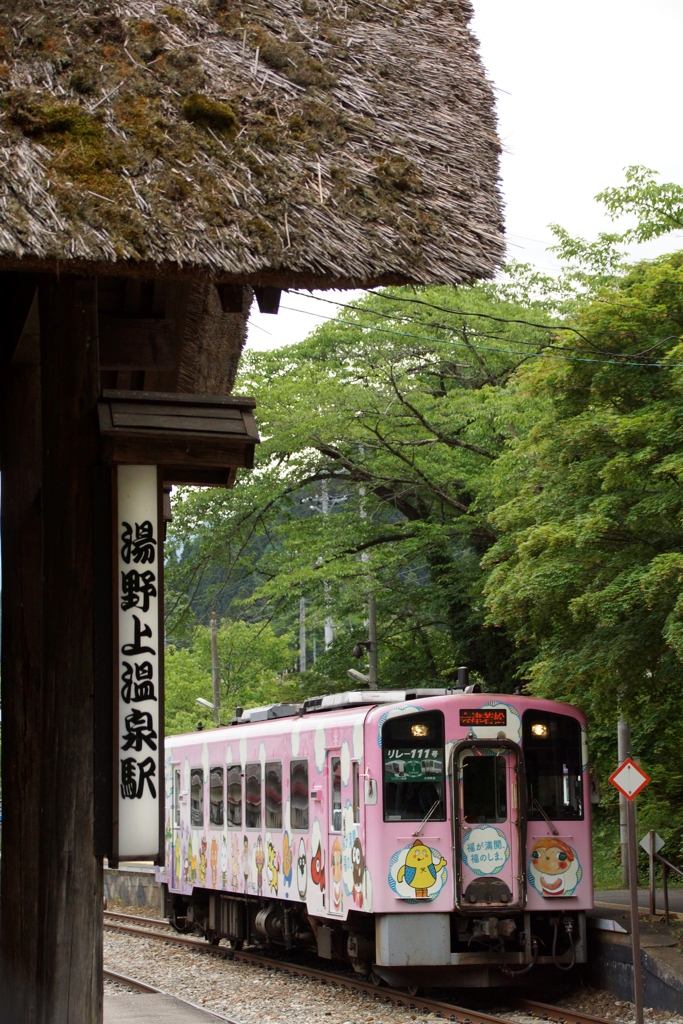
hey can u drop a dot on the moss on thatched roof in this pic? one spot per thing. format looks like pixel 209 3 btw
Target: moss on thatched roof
pixel 271 141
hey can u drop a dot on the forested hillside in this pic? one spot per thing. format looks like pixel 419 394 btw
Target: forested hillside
pixel 501 466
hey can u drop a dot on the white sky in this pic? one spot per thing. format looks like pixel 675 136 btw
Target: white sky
pixel 583 89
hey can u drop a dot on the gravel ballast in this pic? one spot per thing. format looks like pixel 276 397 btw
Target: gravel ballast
pixel 253 995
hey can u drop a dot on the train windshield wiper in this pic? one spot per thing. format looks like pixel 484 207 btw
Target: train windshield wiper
pixel 535 803
pixel 428 815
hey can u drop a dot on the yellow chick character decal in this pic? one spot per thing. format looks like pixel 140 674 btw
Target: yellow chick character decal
pixel 419 870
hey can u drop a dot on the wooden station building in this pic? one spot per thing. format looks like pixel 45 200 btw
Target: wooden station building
pixel 159 165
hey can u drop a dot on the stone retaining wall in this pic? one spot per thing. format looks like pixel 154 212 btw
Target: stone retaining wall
pixel 133 887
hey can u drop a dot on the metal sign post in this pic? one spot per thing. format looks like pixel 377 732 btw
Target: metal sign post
pixel 652 844
pixel 631 780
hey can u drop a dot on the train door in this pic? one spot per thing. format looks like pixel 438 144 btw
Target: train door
pixel 176 856
pixel 488 821
pixel 335 884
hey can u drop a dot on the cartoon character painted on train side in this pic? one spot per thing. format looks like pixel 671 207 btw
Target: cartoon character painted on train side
pixel 337 891
pixel 224 861
pixel 358 868
pixel 214 862
pixel 417 872
pixel 287 860
pixel 273 866
pixel 177 860
pixel 235 862
pixel 318 867
pixel 202 862
pixel 259 861
pixel 554 868
pixel 245 864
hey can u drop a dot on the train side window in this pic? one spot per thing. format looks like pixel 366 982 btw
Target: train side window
pixel 356 792
pixel 298 788
pixel 413 755
pixel 252 803
pixel 273 794
pixel 335 794
pixel 216 798
pixel 234 781
pixel 484 788
pixel 197 798
pixel 176 797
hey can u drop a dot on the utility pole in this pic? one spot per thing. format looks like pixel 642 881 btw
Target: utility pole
pixel 214 670
pixel 372 638
pixel 329 629
pixel 302 634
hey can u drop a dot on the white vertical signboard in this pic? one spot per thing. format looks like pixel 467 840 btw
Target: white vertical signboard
pixel 139 743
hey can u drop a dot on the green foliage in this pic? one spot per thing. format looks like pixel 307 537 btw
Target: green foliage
pixel 251 660
pixel 587 571
pixel 393 413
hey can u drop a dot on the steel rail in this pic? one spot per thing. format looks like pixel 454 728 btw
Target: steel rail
pixel 123 979
pixel 450 1011
pixel 142 986
pixel 139 919
pixel 544 1011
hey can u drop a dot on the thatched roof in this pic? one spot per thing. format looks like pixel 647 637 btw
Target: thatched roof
pixel 310 142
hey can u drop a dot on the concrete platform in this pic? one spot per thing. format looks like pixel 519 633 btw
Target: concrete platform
pixel 154 1009
pixel 610 960
pixel 622 898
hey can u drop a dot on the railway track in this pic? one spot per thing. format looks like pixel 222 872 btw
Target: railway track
pixel 145 989
pixel 449 1011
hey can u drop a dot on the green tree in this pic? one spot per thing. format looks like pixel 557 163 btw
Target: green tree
pixel 252 660
pixel 399 408
pixel 587 571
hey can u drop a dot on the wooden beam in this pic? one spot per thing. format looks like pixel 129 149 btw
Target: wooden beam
pixel 268 299
pixel 17 291
pixel 69 883
pixel 137 343
pixel 22 747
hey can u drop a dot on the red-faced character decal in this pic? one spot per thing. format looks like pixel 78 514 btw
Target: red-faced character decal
pixel 318 868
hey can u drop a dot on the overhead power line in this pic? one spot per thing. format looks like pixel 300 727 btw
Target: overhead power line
pixel 556 354
pixel 501 320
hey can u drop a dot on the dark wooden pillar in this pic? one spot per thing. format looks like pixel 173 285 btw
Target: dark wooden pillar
pixel 51 879
pixel 20 431
pixel 70 879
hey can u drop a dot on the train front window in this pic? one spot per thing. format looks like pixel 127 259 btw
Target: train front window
pixel 552 756
pixel 484 788
pixel 413 767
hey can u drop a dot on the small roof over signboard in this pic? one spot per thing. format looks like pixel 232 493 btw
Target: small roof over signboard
pixel 196 439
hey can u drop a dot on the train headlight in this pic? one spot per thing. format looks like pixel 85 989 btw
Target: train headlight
pixel 419 729
pixel 540 730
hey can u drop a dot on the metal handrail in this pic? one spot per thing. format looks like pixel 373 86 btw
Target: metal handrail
pixel 666 867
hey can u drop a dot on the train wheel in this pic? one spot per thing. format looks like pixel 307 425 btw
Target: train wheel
pixel 375 979
pixel 234 945
pixel 414 990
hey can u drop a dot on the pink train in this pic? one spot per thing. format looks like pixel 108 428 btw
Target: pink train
pixel 426 837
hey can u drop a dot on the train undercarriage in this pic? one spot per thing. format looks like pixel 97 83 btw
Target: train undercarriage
pixel 402 950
